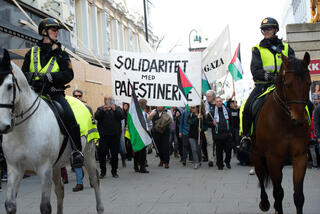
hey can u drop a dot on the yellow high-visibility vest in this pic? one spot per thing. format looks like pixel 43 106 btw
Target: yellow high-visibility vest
pixel 84 119
pixel 35 65
pixel 270 62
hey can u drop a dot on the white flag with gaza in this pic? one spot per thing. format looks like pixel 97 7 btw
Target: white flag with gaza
pixel 216 57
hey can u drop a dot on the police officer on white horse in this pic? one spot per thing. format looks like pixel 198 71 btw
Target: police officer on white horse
pixel 48 69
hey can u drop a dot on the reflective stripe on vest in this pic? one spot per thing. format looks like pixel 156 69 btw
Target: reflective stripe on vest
pixel 35 65
pixel 270 62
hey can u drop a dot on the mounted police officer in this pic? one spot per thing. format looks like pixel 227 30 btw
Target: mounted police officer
pixel 48 69
pixel 265 66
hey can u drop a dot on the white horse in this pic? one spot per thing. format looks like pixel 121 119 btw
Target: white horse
pixel 32 140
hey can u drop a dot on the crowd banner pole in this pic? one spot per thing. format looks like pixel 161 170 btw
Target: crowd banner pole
pixel 155 147
pixel 234 89
pixel 199 128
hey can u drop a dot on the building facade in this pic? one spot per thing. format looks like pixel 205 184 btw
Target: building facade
pixel 295 11
pixel 96 26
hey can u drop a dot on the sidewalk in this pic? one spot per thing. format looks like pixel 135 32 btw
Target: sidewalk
pixel 180 190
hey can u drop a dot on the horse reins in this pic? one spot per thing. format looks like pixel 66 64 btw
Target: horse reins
pixel 12 107
pixel 284 102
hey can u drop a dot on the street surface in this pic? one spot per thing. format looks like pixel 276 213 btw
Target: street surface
pixel 180 190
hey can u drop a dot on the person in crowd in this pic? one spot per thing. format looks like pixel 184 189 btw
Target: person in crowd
pixel 234 111
pixel 316 95
pixel 265 66
pixel 129 154
pixel 312 146
pixel 177 118
pixel 79 95
pixel 209 105
pixel 221 124
pixel 48 69
pixel 316 124
pixel 161 120
pixel 193 134
pixel 79 171
pixel 109 118
pixel 174 128
pixel 183 134
pixel 140 157
pixel 173 137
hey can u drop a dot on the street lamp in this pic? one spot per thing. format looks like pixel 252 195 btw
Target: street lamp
pixel 197 38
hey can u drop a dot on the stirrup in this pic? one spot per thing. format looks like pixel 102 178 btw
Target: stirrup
pixel 77 159
pixel 245 144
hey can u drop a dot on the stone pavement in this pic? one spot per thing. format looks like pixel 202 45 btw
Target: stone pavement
pixel 180 190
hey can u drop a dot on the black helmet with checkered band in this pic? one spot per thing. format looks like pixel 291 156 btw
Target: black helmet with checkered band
pixel 269 23
pixel 47 23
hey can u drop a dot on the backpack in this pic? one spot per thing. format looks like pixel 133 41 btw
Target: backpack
pixel 163 122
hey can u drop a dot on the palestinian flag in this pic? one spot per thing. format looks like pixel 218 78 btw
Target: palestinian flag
pixel 184 86
pixel 205 86
pixel 137 125
pixel 235 67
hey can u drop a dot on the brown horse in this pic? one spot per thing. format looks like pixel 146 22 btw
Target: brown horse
pixel 282 132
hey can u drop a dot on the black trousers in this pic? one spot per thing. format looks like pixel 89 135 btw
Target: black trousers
pixel 247 117
pixel 69 119
pixel 111 142
pixel 204 148
pixel 235 137
pixel 223 146
pixel 140 158
pixel 162 143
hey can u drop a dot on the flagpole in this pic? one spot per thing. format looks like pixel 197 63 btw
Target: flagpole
pixel 234 89
pixel 155 146
pixel 199 128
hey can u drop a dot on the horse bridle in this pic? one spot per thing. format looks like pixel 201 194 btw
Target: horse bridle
pixel 284 103
pixel 11 106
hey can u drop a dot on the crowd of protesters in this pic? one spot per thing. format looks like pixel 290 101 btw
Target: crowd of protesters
pixel 205 133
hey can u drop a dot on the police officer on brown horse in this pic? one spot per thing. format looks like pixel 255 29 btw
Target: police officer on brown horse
pixel 48 69
pixel 265 66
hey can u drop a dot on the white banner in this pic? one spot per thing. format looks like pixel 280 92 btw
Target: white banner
pixel 217 56
pixel 154 76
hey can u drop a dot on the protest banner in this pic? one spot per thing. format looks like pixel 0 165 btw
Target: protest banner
pixel 154 76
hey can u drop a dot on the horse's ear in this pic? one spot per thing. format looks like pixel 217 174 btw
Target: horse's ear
pixel 306 58
pixel 6 59
pixel 284 64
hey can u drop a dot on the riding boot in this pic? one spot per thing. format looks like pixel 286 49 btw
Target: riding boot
pixel 245 143
pixel 77 158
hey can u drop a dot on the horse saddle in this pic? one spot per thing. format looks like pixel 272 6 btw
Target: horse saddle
pixel 257 104
pixel 58 113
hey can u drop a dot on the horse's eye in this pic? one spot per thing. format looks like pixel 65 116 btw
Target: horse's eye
pixel 9 87
pixel 287 85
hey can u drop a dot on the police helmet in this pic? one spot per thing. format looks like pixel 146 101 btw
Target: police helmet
pixel 48 23
pixel 269 22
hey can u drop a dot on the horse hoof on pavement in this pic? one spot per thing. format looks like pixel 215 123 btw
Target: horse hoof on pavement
pixel 264 206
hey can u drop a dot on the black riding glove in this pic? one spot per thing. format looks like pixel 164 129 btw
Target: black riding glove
pixel 45 82
pixel 271 77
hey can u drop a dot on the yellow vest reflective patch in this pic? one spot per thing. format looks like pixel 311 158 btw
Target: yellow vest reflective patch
pixel 271 63
pixel 84 119
pixel 35 65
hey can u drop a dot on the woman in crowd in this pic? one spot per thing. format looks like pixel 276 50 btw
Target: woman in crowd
pixel 193 135
pixel 161 120
pixel 316 95
pixel 125 109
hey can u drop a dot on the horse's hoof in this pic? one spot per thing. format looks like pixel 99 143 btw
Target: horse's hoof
pixel 264 206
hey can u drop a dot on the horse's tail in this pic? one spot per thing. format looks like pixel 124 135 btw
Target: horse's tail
pixel 266 177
